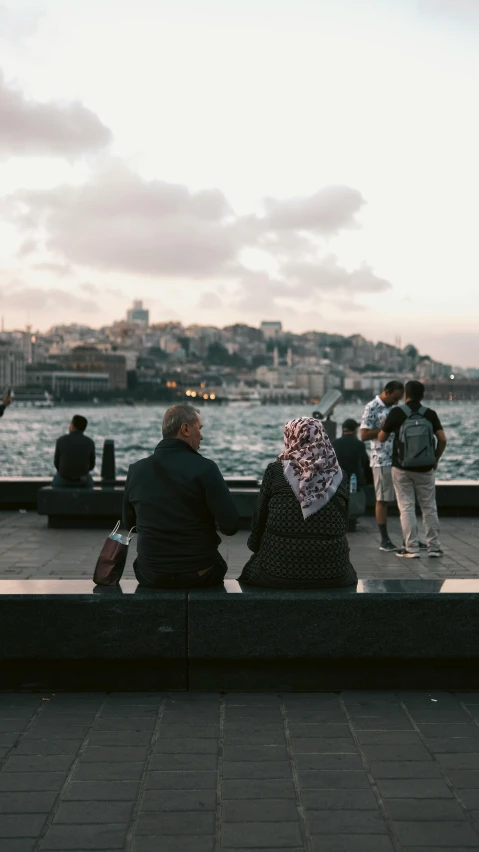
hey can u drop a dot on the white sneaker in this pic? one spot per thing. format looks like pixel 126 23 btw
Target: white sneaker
pixel 407 554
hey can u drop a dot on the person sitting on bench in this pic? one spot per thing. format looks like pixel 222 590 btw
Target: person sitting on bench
pixel 298 535
pixel 176 498
pixel 74 457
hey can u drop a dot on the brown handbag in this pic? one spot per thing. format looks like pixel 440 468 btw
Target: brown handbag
pixel 112 559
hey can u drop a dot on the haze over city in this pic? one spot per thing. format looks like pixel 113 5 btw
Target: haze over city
pixel 313 163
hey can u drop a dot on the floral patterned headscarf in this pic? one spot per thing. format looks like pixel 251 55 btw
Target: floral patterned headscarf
pixel 310 464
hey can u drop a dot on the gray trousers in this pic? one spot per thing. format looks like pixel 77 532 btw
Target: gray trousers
pixel 409 484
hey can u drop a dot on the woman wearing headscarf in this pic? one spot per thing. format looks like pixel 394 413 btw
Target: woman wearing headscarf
pixel 298 536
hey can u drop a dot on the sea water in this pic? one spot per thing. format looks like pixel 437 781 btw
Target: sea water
pixel 241 438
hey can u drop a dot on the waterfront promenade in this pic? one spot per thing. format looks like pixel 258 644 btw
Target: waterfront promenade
pixel 327 772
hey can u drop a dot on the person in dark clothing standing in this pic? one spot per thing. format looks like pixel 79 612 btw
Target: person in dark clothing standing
pixel 352 454
pixel 74 457
pixel 177 499
pixel 418 436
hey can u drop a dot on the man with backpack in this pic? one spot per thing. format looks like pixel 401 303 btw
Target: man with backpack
pixel 419 442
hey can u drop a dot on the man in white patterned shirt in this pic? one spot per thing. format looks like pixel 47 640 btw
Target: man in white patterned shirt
pixel 372 421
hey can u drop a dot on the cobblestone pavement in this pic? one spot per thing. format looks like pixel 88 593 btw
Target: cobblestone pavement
pixel 354 772
pixel 28 549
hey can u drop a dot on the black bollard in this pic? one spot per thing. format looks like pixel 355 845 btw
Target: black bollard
pixel 108 472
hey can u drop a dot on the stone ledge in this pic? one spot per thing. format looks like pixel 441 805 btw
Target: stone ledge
pixel 395 633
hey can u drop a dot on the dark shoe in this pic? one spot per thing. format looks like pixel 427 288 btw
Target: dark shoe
pixel 422 546
pixel 388 546
pixel 435 554
pixel 407 554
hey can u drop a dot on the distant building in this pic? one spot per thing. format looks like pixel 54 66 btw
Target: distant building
pixel 138 313
pixel 271 329
pixel 12 366
pixel 89 359
pixel 66 381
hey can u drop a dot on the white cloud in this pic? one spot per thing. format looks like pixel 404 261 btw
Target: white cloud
pixel 53 129
pixel 326 212
pixel 326 276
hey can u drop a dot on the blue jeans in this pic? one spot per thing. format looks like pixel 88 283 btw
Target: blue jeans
pixel 60 482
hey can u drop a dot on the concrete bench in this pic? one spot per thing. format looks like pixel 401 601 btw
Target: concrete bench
pixel 101 506
pixel 410 634
pixel 69 634
pixel 404 634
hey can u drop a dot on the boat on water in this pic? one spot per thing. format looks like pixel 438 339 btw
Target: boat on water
pixel 241 395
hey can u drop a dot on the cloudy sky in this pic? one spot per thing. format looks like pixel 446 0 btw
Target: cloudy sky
pixel 239 160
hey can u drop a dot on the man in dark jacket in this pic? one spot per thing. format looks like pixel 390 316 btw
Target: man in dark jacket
pixel 352 454
pixel 74 457
pixel 176 498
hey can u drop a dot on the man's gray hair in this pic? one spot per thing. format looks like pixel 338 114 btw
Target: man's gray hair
pixel 176 416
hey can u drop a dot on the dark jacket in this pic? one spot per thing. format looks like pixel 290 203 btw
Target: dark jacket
pixel 74 455
pixel 175 498
pixel 291 552
pixel 353 458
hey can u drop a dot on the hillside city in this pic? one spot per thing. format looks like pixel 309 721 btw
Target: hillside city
pixel 134 360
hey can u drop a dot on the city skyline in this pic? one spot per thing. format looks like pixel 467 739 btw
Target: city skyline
pixel 333 191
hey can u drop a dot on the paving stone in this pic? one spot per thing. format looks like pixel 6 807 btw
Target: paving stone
pixel 466 778
pixel 125 724
pixel 404 769
pixel 55 732
pixel 256 753
pixel 113 754
pixel 388 738
pixel 324 746
pixel 27 803
pixel 425 788
pixel 333 779
pixel 258 789
pixel 257 738
pixel 436 834
pixel 173 844
pixel 328 761
pixel 351 843
pixel 469 760
pixel 184 761
pixel 186 746
pixel 119 738
pixel 261 810
pixel 196 732
pixel 323 800
pixel 469 798
pixel 318 717
pixel 84 837
pixel 346 821
pixel 181 780
pixel 264 769
pixel 326 731
pixel 396 752
pixel 48 746
pixel 19 844
pixel 365 723
pixel 7 740
pixel 109 791
pixel 424 809
pixel 258 835
pixel 179 800
pixel 451 745
pixel 21 825
pixel 452 730
pixel 167 822
pixel 31 781
pixel 12 725
pixel 94 812
pixel 108 772
pixel 39 763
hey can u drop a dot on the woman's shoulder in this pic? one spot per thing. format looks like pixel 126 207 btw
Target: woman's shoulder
pixel 274 472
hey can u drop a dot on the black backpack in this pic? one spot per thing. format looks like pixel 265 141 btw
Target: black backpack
pixel 416 439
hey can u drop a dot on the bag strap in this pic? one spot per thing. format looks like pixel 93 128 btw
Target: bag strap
pixel 116 528
pixel 422 411
pixel 131 534
pixel 405 408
